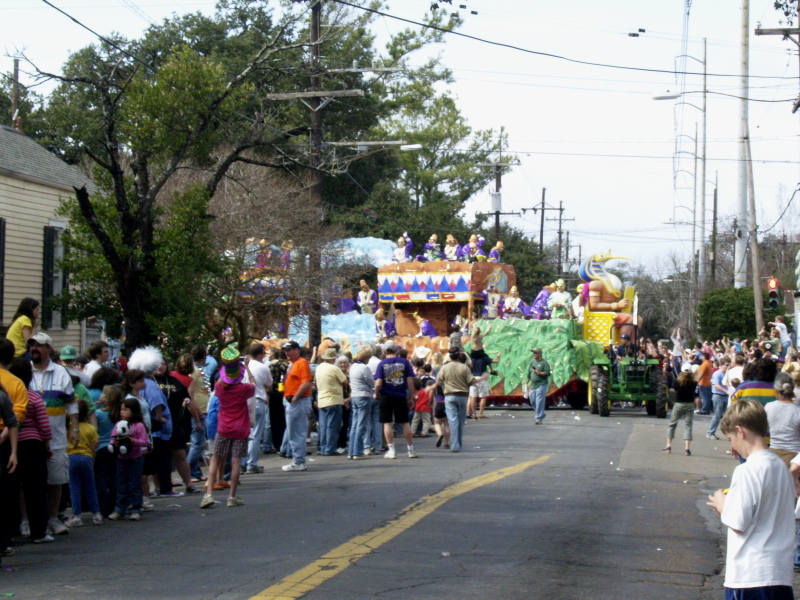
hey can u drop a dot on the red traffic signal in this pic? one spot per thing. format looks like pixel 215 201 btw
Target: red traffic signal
pixel 772 286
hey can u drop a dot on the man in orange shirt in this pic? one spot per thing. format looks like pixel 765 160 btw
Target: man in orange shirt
pixel 297 403
pixel 704 386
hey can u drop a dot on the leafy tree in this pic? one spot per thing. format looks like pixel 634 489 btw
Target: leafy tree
pixel 188 98
pixel 141 123
pixel 727 312
pixel 788 8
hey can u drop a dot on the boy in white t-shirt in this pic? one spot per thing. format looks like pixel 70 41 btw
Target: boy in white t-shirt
pixel 758 510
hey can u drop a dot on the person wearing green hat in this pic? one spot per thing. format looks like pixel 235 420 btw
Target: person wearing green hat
pixel 538 382
pixel 233 425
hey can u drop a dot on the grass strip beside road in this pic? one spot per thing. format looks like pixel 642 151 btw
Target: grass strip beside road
pixel 301 582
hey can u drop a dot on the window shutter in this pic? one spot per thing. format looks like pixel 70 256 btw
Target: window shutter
pixel 2 265
pixel 64 290
pixel 48 273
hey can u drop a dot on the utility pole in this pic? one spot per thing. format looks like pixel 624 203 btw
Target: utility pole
pixel 740 253
pixel 541 208
pixel 786 33
pixel 755 257
pixel 315 99
pixel 15 95
pixel 560 220
pixel 701 261
pixel 497 200
pixel 713 256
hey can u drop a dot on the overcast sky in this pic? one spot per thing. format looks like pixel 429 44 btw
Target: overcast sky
pixel 592 135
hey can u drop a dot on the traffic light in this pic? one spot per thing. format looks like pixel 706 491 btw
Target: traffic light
pixel 773 292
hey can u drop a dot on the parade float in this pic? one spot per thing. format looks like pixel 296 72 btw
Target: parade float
pixel 575 334
pixel 419 299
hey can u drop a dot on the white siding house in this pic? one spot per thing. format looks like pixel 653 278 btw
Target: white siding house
pixel 32 180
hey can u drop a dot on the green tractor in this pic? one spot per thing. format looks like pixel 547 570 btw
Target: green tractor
pixel 635 380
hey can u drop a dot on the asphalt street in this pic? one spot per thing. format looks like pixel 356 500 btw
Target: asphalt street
pixel 580 507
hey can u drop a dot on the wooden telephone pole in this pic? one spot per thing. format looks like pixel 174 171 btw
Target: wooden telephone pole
pixel 315 99
pixel 497 201
pixel 560 220
pixel 541 208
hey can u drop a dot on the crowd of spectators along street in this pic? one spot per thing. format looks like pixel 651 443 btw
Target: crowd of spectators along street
pixel 86 439
pixel 750 389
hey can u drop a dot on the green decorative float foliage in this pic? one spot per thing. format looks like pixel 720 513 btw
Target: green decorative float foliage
pixel 561 343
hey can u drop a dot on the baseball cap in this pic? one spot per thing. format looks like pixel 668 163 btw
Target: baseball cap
pixel 291 345
pixel 686 367
pixel 625 336
pixel 42 339
pixel 537 350
pixel 68 353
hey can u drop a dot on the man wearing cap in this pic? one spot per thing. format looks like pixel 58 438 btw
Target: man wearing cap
pixel 538 382
pixel 297 401
pixel 260 376
pixel 455 378
pixel 329 380
pixel 68 356
pixel 54 385
pixel 625 349
pixel 394 389
pixel 367 298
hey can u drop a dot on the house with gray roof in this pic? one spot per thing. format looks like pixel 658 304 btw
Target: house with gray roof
pixel 32 182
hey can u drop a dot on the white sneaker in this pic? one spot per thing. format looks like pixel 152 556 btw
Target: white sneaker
pixel 368 451
pixel 114 516
pixel 412 453
pixel 74 522
pixel 390 453
pixel 208 500
pixel 97 519
pixel 56 527
pixel 293 466
pixel 25 529
pixel 45 540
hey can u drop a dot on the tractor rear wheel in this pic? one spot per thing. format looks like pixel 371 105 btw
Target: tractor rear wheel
pixel 600 392
pixel 593 374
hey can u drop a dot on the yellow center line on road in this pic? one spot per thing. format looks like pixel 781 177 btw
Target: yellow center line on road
pixel 301 582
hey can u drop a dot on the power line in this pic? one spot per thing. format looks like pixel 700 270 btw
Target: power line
pixel 540 53
pixel 93 32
